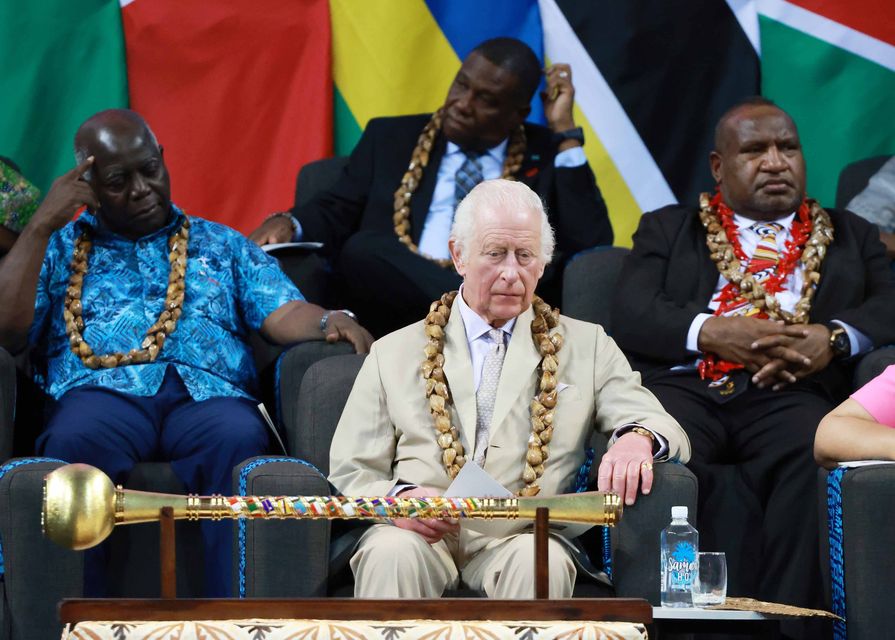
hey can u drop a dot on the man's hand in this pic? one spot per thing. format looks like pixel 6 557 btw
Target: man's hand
pixel 274 230
pixel 559 98
pixel 813 345
pixel 626 464
pixel 432 530
pixel 888 240
pixel 68 193
pixel 732 339
pixel 341 327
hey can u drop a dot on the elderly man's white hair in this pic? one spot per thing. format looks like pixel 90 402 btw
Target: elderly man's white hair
pixel 502 194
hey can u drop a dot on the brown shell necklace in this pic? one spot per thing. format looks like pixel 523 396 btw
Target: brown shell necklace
pixel 419 159
pixel 155 335
pixel 453 456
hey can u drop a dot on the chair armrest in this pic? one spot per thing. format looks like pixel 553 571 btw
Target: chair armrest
pixel 635 540
pixel 310 411
pixel 868 537
pixel 280 558
pixel 873 364
pixel 37 572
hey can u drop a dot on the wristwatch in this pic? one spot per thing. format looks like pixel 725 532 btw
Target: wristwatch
pixel 569 134
pixel 840 343
pixel 326 314
pixel 647 433
pixel 288 215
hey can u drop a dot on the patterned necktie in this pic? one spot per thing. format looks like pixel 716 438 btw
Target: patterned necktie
pixel 468 175
pixel 763 261
pixel 487 393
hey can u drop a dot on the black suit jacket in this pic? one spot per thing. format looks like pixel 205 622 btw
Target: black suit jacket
pixel 669 278
pixel 363 197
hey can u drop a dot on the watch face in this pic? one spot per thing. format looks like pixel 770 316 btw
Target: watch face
pixel 841 343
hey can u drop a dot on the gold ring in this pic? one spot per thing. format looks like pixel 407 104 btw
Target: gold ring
pixel 647 465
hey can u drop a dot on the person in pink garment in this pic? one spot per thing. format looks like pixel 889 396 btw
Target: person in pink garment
pixel 862 427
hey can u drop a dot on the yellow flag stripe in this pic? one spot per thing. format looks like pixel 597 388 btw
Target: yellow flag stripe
pixel 390 58
pixel 624 213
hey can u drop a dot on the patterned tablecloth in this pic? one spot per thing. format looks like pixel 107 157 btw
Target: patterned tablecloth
pixel 355 630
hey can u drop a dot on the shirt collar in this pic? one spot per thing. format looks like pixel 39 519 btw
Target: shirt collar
pixel 476 326
pixel 498 152
pixel 742 222
pixel 89 220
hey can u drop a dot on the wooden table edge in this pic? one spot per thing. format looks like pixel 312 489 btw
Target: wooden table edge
pixel 598 609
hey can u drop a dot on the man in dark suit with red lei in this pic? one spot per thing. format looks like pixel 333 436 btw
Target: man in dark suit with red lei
pixel 387 220
pixel 745 317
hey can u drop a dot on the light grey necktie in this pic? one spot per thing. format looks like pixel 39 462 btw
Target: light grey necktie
pixel 486 394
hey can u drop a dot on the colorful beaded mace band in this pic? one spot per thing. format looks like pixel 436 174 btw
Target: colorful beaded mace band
pixel 362 508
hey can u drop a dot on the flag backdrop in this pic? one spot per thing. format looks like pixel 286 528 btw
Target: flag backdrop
pixel 60 62
pixel 832 66
pixel 241 98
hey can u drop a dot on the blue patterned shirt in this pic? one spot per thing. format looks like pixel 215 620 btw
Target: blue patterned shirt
pixel 231 287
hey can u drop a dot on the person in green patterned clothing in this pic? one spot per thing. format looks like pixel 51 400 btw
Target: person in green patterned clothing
pixel 18 202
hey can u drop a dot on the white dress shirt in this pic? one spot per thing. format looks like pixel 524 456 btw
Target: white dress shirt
pixel 437 228
pixel 477 336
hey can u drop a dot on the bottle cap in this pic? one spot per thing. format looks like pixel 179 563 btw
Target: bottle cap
pixel 679 512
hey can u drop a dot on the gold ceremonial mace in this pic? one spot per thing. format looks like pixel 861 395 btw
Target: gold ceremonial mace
pixel 81 506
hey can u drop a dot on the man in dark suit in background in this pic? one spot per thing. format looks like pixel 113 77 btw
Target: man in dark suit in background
pixel 744 317
pixel 387 220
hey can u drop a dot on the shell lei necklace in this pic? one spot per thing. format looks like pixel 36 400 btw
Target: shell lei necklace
pixel 811 234
pixel 453 456
pixel 419 159
pixel 155 335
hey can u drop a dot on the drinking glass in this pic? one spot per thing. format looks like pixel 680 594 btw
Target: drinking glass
pixel 710 585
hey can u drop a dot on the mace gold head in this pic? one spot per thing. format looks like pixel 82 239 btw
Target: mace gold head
pixel 78 506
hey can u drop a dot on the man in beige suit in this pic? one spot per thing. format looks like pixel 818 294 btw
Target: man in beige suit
pixel 492 377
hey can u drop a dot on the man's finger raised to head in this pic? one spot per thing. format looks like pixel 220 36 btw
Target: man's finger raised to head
pixel 82 168
pixel 82 194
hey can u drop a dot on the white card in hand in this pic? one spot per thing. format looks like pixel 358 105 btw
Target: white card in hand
pixel 474 482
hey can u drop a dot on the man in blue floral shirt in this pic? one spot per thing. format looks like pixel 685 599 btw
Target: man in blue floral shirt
pixel 141 315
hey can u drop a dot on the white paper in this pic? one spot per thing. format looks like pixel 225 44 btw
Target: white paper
pixel 475 482
pixel 864 463
pixel 285 245
pixel 270 425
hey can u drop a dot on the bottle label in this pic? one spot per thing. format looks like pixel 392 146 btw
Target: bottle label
pixel 682 567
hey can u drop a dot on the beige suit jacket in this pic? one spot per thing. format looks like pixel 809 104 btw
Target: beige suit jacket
pixel 386 434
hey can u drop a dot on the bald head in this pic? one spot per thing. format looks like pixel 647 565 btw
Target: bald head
pixel 129 175
pixel 757 161
pixel 97 130
pixel 727 122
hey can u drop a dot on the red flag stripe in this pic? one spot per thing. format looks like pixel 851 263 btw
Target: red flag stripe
pixel 239 96
pixel 876 18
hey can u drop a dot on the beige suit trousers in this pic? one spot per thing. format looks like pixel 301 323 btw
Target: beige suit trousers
pixel 391 562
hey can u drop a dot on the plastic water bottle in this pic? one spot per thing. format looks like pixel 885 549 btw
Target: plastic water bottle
pixel 679 545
